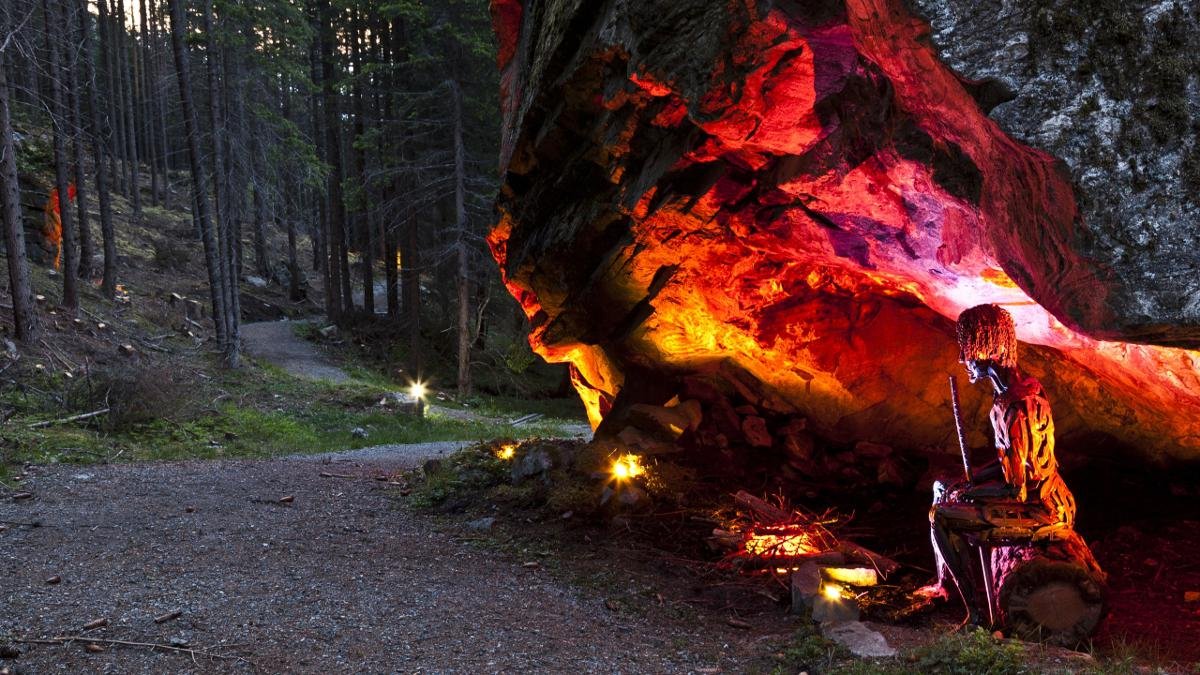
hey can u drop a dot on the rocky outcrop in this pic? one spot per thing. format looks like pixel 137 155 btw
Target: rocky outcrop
pixel 770 213
pixel 1112 88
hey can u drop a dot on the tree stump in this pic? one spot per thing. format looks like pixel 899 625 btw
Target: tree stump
pixel 1049 591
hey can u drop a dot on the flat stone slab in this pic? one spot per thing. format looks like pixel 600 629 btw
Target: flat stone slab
pixel 858 638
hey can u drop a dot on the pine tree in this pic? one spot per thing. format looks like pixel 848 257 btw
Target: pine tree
pixel 25 319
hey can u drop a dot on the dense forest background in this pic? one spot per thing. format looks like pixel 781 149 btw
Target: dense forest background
pixel 344 150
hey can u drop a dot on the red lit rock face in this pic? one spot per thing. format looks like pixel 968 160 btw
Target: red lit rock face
pixel 793 204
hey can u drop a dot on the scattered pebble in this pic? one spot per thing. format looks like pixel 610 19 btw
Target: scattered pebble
pixel 482 524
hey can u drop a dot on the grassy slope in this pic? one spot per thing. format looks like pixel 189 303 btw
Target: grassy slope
pixel 170 397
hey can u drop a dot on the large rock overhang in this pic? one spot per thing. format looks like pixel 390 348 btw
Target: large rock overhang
pixel 794 200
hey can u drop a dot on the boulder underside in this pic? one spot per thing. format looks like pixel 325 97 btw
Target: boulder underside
pixel 749 226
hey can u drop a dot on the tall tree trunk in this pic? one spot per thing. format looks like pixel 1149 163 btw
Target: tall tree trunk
pixel 225 230
pixel 32 85
pixel 160 100
pixel 199 177
pixel 86 250
pixel 114 124
pixel 60 118
pixel 25 319
pixel 147 97
pixel 363 206
pixel 261 264
pixel 235 124
pixel 389 39
pixel 391 271
pixel 323 247
pixel 108 286
pixel 257 185
pixel 119 61
pixel 295 288
pixel 410 282
pixel 129 105
pixel 464 278
pixel 339 261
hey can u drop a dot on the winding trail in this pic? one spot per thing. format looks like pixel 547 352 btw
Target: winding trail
pixel 339 577
pixel 276 343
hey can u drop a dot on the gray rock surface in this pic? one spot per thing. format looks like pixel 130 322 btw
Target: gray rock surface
pixel 1112 89
pixel 858 638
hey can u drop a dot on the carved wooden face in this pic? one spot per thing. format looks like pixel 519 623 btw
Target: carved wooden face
pixel 976 367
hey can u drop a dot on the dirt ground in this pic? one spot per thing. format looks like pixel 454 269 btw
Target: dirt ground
pixel 343 578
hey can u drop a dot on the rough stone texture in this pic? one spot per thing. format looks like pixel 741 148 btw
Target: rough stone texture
pixel 859 638
pixel 775 210
pixel 1110 87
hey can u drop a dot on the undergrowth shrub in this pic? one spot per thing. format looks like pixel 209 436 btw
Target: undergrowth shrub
pixel 134 396
pixel 969 654
pixel 170 253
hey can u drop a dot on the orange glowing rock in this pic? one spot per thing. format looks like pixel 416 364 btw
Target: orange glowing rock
pixel 792 203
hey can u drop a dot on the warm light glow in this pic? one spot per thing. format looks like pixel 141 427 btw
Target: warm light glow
pixel 832 591
pixel 854 576
pixel 781 545
pixel 417 390
pixel 627 466
pixel 506 451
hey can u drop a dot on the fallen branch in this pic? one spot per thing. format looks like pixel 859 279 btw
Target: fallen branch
pixel 67 362
pixel 169 616
pixel 21 523
pixel 68 639
pixel 73 418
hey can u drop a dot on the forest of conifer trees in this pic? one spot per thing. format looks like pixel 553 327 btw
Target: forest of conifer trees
pixel 364 134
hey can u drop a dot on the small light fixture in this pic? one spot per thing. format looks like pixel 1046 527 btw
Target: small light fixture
pixel 627 466
pixel 418 391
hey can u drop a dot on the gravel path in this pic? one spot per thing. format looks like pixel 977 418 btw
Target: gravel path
pixel 276 342
pixel 342 579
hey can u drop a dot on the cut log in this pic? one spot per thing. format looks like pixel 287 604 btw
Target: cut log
pixel 1049 592
pixel 883 564
pixel 764 513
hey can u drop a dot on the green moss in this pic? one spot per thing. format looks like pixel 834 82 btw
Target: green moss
pixel 465 475
pixel 970 653
pixel 257 411
pixel 808 651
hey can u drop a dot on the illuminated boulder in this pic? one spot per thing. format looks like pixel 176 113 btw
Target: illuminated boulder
pixel 754 223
